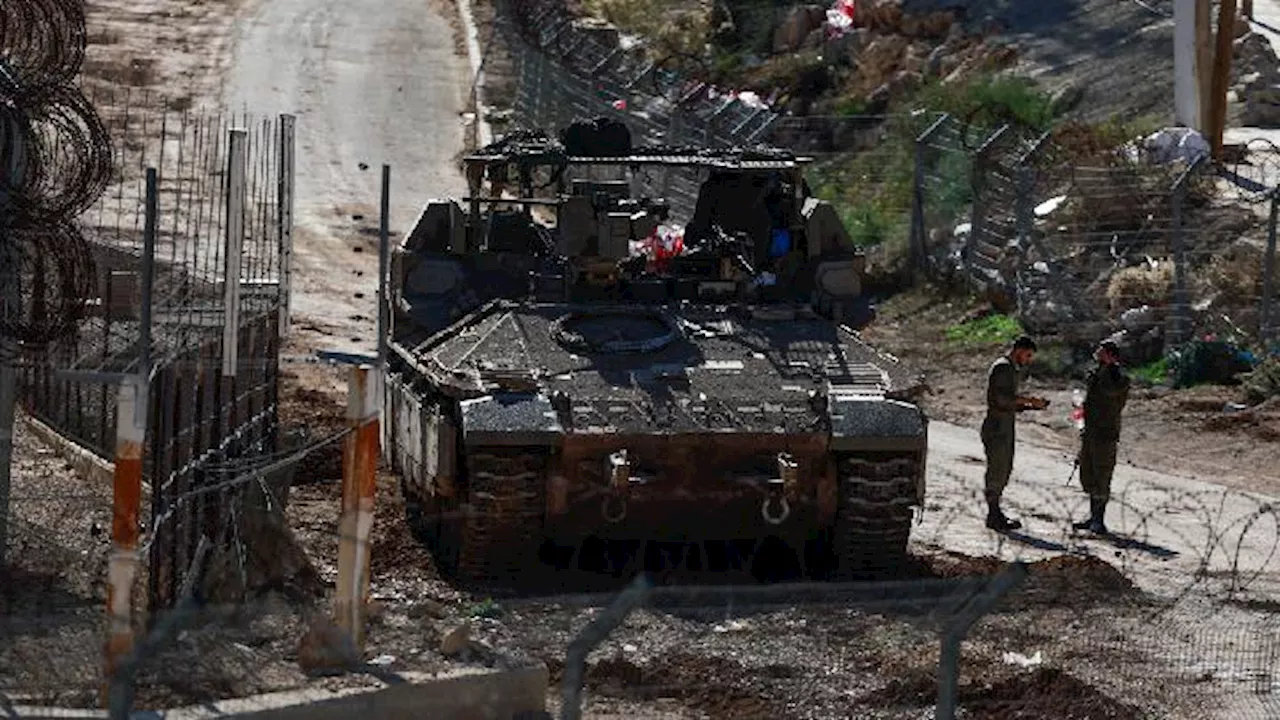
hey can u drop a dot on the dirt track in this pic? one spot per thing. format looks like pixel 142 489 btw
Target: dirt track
pixel 370 84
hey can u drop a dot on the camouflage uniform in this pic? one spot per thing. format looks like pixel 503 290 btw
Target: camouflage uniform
pixel 998 427
pixel 1108 391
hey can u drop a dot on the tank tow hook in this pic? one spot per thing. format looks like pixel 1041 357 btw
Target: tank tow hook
pixel 777 506
pixel 614 507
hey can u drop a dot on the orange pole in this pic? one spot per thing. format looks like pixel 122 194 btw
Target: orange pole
pixel 359 481
pixel 126 507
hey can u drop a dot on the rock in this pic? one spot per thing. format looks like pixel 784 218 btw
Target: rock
pixel 326 649
pixel 878 101
pixel 933 64
pixel 1066 98
pixel 795 27
pixel 814 40
pixel 426 607
pixel 455 640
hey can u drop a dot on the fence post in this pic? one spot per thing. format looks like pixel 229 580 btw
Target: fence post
pixel 978 213
pixel 954 633
pixel 384 247
pixel 919 239
pixel 359 479
pixel 1268 275
pixel 1181 308
pixel 1024 217
pixel 284 228
pixel 126 506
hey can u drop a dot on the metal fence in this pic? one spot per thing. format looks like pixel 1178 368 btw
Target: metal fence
pixel 1083 244
pixel 1071 240
pixel 197 198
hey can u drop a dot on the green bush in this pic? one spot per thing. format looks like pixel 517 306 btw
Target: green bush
pixel 994 329
pixel 990 101
pixel 1153 373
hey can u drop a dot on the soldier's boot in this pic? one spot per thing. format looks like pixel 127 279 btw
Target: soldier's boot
pixel 996 519
pixel 1098 509
pixel 1094 524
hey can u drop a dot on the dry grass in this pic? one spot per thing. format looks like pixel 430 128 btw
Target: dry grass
pixel 1234 277
pixel 1141 285
pixel 671 26
pixel 134 72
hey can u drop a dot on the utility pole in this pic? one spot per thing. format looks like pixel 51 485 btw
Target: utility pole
pixel 1222 74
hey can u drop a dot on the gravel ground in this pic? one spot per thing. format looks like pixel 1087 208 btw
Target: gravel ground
pixel 52 579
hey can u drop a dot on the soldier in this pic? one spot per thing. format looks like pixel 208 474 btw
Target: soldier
pixel 1104 400
pixel 1003 404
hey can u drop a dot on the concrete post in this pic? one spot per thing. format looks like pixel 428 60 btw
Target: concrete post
pixel 284 228
pixel 1187 70
pixel 126 506
pixel 359 479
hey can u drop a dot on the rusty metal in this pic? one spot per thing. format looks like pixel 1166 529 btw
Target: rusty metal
pixel 359 482
pixel 126 510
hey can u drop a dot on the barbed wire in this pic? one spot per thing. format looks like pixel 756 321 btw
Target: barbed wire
pixel 56 162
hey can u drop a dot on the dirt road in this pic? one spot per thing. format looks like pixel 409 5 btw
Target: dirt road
pixel 370 83
pixel 1174 533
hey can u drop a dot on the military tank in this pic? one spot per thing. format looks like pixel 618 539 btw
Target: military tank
pixel 551 384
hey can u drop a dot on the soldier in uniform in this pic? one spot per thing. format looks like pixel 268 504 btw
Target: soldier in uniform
pixel 1003 405
pixel 1104 401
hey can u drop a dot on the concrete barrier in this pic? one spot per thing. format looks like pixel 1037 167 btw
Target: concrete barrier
pixel 462 694
pixel 89 466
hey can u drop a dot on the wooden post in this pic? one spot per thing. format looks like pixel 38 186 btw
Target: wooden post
pixel 359 479
pixel 126 505
pixel 1204 61
pixel 1222 74
pixel 1246 9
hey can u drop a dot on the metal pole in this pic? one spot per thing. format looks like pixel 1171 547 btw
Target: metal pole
pixel 919 234
pixel 635 596
pixel 284 230
pixel 958 627
pixel 359 482
pixel 1180 307
pixel 235 243
pixel 1268 274
pixel 148 273
pixel 126 508
pixel 384 245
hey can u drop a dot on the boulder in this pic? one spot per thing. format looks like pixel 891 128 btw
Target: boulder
pixel 455 640
pixel 326 649
pixel 796 25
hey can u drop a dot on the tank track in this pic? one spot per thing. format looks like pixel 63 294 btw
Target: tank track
pixel 492 539
pixel 873 522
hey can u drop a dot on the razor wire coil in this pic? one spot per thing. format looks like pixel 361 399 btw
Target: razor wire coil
pixel 56 160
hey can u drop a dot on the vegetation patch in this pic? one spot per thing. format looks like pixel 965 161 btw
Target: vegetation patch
pixel 1153 373
pixel 994 329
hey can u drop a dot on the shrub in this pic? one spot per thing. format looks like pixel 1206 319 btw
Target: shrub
pixel 994 329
